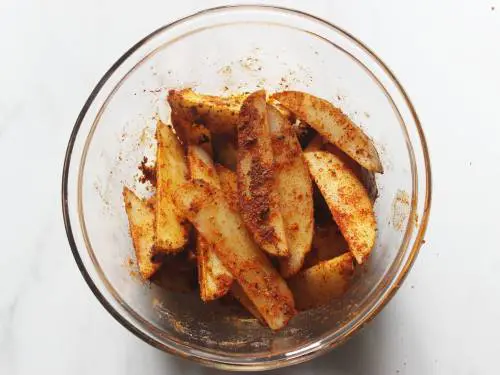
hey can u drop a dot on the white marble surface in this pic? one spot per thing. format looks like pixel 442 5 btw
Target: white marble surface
pixel 446 317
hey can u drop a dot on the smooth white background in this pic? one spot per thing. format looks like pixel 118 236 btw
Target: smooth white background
pixel 446 317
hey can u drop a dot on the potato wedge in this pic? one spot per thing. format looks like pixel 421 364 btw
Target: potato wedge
pixel 257 187
pixel 206 208
pixel 242 298
pixel 323 282
pixel 214 279
pixel 141 218
pixel 218 114
pixel 346 197
pixel 171 172
pixel 294 189
pixel 191 133
pixel 229 186
pixel 334 125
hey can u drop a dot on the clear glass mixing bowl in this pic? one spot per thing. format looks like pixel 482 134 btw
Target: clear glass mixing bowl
pixel 222 50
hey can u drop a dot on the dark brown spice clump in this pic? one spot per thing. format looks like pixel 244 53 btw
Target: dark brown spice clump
pixel 148 172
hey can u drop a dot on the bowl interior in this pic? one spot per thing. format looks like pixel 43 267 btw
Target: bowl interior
pixel 221 54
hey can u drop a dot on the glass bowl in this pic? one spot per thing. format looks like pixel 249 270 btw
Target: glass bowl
pixel 217 51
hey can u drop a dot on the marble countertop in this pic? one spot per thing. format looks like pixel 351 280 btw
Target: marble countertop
pixel 445 318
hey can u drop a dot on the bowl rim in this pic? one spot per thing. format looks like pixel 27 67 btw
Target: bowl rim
pixel 396 283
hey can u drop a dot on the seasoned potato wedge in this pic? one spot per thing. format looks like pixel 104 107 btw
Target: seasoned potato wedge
pixel 334 125
pixel 242 298
pixel 294 189
pixel 229 186
pixel 191 133
pixel 257 187
pixel 346 197
pixel 214 279
pixel 218 114
pixel 323 282
pixel 207 209
pixel 171 172
pixel 141 218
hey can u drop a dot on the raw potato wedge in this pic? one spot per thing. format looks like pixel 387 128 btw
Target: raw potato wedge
pixel 218 114
pixel 295 191
pixel 334 125
pixel 242 298
pixel 141 218
pixel 229 185
pixel 207 209
pixel 214 279
pixel 191 133
pixel 171 172
pixel 346 197
pixel 323 282
pixel 257 188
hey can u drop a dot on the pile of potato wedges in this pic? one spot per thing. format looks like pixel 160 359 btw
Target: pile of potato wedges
pixel 268 197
